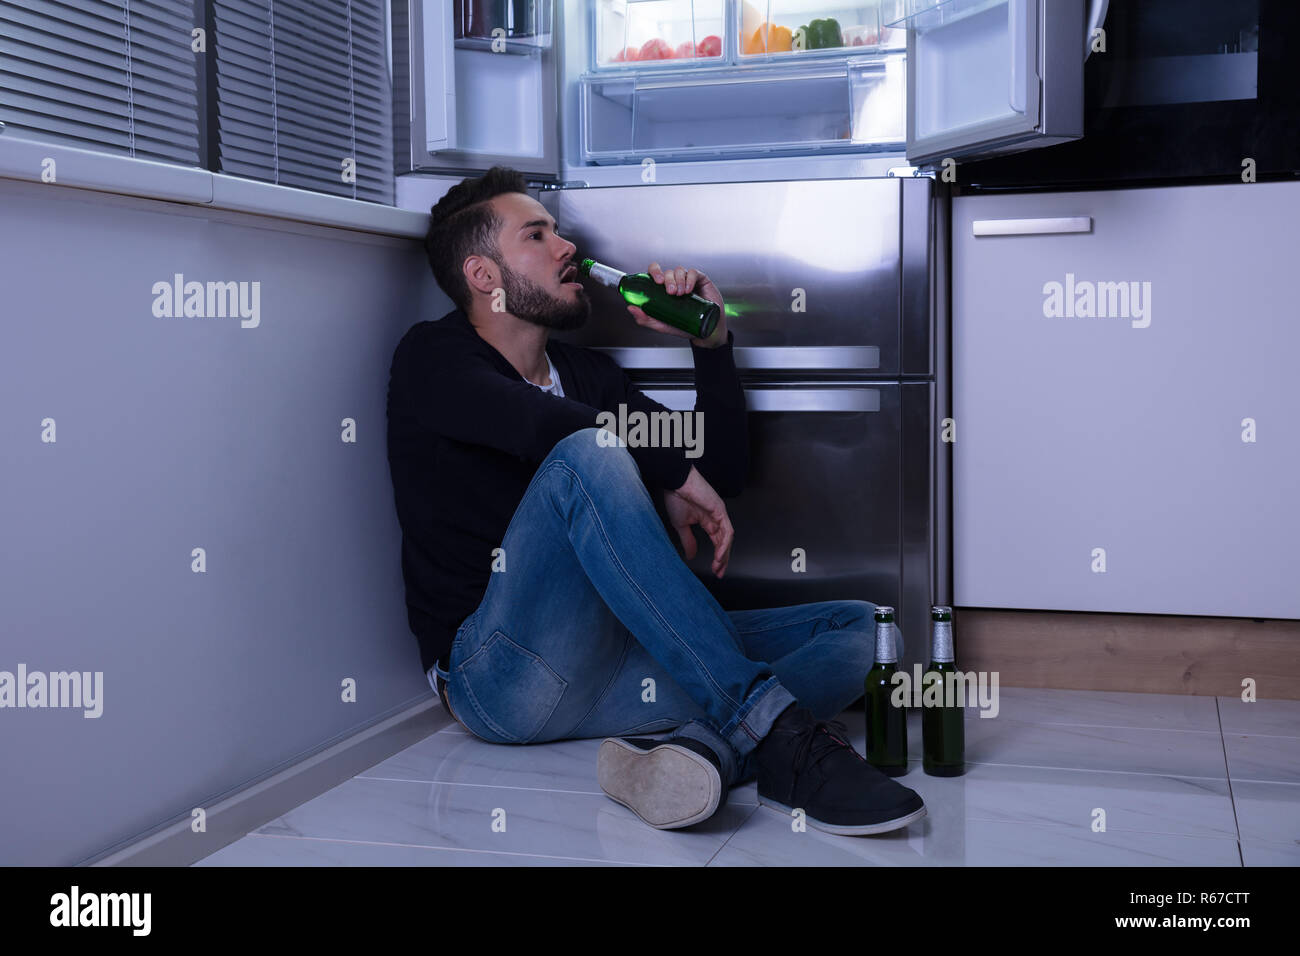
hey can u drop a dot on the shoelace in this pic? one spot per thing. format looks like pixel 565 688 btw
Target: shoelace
pixel 836 733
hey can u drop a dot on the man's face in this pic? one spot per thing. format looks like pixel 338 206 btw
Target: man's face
pixel 537 261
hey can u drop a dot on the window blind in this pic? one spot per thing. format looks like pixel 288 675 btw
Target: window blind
pixel 302 87
pixel 111 75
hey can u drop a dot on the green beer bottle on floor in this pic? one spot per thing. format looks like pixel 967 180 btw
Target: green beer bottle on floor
pixel 886 724
pixel 943 728
pixel 690 313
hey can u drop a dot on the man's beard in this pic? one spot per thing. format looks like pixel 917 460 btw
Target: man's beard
pixel 529 301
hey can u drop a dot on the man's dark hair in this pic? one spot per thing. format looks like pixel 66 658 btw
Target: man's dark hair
pixel 463 224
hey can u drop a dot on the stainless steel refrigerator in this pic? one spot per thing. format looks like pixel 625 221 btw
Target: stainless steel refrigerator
pixel 828 288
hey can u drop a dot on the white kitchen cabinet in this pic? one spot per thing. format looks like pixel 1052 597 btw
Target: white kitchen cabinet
pixel 1119 426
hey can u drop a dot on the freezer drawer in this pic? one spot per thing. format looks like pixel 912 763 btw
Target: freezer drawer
pixel 1124 391
pixel 806 267
pixel 825 488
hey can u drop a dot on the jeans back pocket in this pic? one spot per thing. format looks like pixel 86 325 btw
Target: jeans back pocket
pixel 511 689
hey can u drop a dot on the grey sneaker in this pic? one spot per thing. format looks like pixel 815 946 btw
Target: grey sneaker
pixel 669 784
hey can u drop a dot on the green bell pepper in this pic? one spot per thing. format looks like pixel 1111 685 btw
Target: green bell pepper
pixel 824 34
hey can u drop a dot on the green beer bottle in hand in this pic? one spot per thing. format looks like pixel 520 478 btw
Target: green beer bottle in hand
pixel 691 313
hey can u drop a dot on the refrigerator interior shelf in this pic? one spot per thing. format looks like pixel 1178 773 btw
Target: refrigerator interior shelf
pixel 729 75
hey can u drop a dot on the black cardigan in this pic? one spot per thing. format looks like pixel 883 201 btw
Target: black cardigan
pixel 466 433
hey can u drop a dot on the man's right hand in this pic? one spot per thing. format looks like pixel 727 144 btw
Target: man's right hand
pixel 695 502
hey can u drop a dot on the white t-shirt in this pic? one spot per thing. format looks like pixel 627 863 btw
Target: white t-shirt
pixel 555 388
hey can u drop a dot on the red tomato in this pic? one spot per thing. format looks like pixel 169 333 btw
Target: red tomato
pixel 710 46
pixel 683 50
pixel 630 54
pixel 618 57
pixel 655 49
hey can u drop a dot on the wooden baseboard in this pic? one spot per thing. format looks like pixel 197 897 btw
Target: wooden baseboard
pixel 1143 653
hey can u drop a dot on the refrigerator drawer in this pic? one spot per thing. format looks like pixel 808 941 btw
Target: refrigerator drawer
pixel 805 267
pixel 852 105
pixel 819 518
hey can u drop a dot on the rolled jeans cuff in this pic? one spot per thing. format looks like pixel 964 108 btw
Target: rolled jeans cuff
pixel 745 733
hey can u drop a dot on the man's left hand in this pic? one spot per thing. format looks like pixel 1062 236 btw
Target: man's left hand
pixel 683 281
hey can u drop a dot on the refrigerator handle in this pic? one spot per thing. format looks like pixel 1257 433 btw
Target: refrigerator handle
pixel 753 357
pixel 790 399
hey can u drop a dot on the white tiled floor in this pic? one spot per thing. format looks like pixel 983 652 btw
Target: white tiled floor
pixel 1182 780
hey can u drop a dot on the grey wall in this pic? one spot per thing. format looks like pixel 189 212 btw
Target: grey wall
pixel 183 433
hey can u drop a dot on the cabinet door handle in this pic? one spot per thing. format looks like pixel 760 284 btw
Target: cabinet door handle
pixel 1031 227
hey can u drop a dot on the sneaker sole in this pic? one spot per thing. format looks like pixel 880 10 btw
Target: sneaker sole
pixel 668 787
pixel 866 829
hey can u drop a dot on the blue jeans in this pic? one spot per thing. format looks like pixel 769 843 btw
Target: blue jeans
pixel 595 627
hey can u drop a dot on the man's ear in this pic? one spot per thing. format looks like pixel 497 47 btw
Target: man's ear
pixel 479 274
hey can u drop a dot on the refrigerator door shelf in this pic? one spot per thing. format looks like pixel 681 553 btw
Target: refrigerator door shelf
pixel 853 104
pixel 465 104
pixel 514 46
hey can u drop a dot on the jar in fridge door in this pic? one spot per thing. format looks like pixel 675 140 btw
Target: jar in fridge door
pixel 478 18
